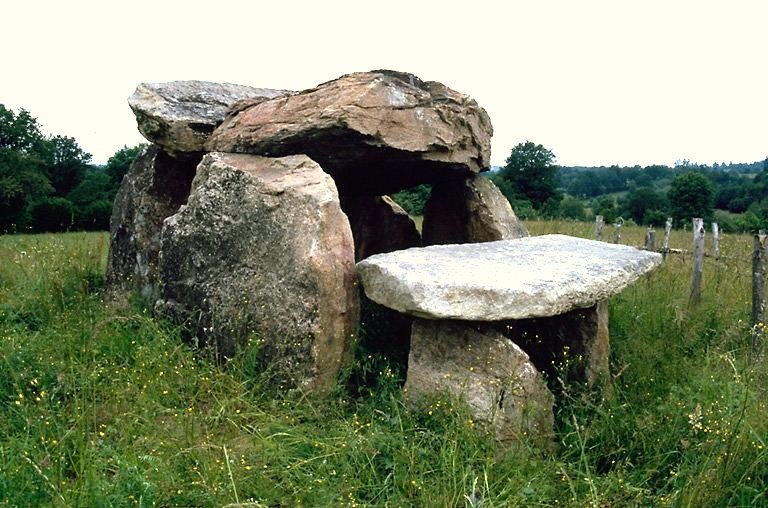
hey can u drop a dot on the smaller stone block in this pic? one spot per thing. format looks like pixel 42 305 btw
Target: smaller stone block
pixel 470 210
pixel 574 345
pixel 379 225
pixel 488 371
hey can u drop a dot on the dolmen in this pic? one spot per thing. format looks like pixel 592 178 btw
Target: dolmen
pixel 490 317
pixel 244 218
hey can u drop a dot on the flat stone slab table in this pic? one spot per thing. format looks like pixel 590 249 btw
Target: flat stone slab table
pixel 490 317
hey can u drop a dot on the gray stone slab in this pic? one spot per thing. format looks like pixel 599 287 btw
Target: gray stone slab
pixel 509 279
pixel 180 115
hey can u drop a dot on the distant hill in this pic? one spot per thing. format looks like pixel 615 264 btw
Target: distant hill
pixel 737 167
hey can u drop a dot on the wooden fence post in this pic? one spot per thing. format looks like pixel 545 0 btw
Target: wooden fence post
pixel 758 288
pixel 667 231
pixel 650 239
pixel 617 230
pixel 715 240
pixel 599 228
pixel 698 260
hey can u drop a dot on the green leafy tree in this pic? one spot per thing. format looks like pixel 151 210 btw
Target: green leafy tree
pixel 530 175
pixel 413 200
pixel 19 132
pixel 22 167
pixel 572 208
pixel 66 163
pixel 691 195
pixel 641 200
pixel 92 199
pixel 118 165
pixel 52 215
pixel 606 206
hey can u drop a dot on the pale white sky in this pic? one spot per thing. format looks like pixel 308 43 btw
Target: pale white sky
pixel 596 82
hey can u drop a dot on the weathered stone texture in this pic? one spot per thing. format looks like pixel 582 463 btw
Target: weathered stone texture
pixel 262 251
pixel 375 132
pixel 488 371
pixel 154 188
pixel 469 211
pixel 180 115
pixel 509 279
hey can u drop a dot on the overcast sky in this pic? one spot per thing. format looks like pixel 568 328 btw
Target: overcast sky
pixel 596 82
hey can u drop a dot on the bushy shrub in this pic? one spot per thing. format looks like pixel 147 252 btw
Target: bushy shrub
pixel 94 216
pixel 655 217
pixel 51 215
pixel 572 208
pixel 413 200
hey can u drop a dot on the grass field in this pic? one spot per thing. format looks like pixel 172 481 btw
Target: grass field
pixel 104 406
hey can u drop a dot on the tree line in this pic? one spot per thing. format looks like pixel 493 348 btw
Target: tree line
pixel 734 195
pixel 48 184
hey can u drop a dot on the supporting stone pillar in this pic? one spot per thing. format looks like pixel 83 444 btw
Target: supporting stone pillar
pixel 379 225
pixel 262 256
pixel 493 375
pixel 154 188
pixel 469 211
pixel 574 346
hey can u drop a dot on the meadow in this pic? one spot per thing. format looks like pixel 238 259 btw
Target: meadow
pixel 102 405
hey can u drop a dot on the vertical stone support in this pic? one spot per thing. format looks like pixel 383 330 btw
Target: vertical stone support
pixel 758 289
pixel 667 231
pixel 262 256
pixel 469 211
pixel 650 239
pixel 574 346
pixel 379 225
pixel 489 372
pixel 154 188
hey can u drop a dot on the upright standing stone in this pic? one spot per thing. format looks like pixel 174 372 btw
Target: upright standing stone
pixel 262 256
pixel 698 260
pixel 487 370
pixel 379 225
pixel 574 346
pixel 469 211
pixel 154 188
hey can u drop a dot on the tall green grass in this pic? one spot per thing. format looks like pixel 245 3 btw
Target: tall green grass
pixel 105 406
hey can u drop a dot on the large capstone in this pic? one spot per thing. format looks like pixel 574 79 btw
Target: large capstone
pixel 485 369
pixel 376 132
pixel 469 210
pixel 180 115
pixel 262 256
pixel 154 188
pixel 509 279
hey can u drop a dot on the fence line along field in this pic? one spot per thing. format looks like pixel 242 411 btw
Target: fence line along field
pixel 102 405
